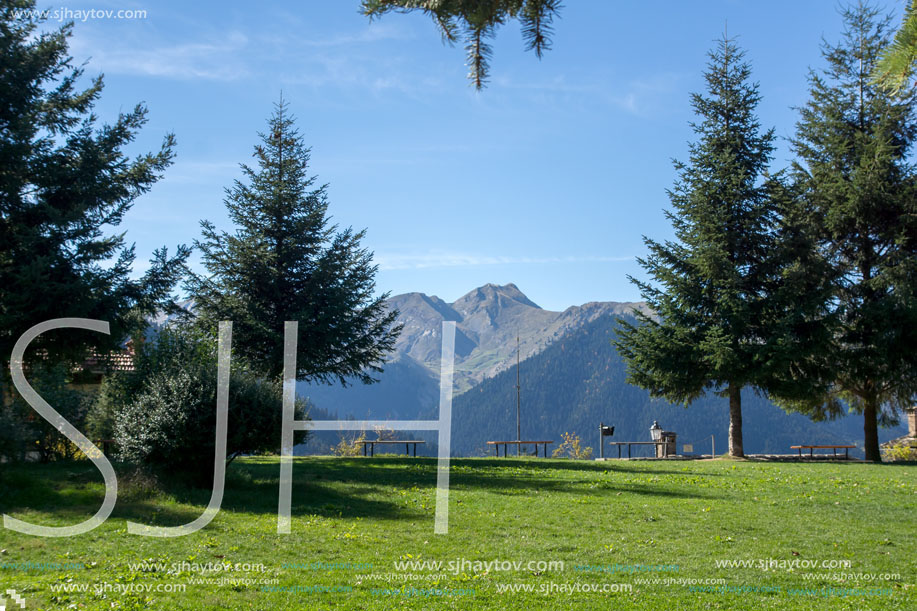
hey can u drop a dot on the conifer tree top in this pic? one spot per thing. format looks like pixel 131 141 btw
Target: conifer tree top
pixel 285 261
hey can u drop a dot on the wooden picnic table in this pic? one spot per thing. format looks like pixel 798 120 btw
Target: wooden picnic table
pixel 665 450
pixel 518 444
pixel 810 448
pixel 407 442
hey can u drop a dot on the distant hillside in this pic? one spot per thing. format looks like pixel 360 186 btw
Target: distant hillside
pixel 406 389
pixel 578 381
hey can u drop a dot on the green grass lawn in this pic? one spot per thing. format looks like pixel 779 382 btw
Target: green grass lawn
pixel 653 531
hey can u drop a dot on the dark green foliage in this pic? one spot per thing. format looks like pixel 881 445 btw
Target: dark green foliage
pixel 854 140
pixel 32 433
pixel 799 321
pixel 477 22
pixel 64 179
pixel 712 299
pixel 285 262
pixel 115 392
pixel 169 426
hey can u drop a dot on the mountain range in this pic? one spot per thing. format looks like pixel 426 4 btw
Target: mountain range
pixel 571 379
pixel 495 325
pixel 489 320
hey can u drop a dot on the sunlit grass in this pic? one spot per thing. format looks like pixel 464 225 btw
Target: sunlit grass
pixel 360 512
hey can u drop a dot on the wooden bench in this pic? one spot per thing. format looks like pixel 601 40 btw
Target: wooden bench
pixel 407 444
pixel 812 448
pixel 518 444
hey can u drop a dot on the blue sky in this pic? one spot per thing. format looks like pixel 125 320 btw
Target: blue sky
pixel 548 178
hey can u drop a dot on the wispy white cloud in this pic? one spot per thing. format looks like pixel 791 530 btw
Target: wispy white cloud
pixel 349 60
pixel 641 96
pixel 377 32
pixel 432 260
pixel 361 70
pixel 212 60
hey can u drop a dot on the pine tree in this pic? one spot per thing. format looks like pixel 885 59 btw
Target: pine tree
pixel 64 180
pixel 477 22
pixel 853 141
pixel 896 65
pixel 286 262
pixel 714 294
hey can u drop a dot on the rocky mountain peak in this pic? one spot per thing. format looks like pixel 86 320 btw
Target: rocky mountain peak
pixel 491 297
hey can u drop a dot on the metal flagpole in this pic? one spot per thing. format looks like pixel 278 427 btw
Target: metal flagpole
pixel 518 403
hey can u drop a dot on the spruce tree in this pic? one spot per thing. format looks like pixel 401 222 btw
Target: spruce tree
pixel 285 261
pixel 714 285
pixel 853 140
pixel 65 180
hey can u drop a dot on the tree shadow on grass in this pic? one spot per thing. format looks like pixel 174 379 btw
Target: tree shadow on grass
pixel 406 473
pixel 73 491
pixel 327 487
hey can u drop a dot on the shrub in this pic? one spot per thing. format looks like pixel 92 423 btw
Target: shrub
pixel 349 447
pixel 115 392
pixel 572 448
pixel 169 427
pixel 384 433
pixel 903 451
pixel 26 431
